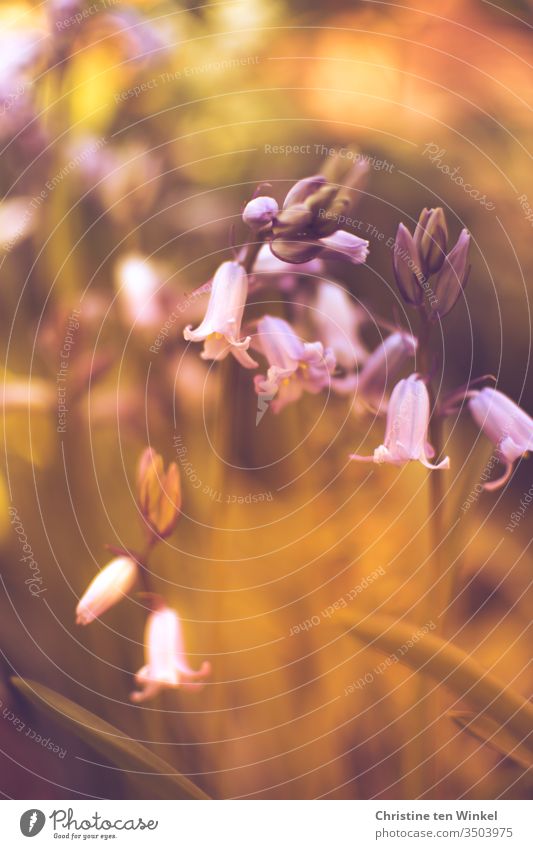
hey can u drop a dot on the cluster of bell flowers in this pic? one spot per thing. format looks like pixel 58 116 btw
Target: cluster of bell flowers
pixel 337 361
pixel 431 278
pixel 166 666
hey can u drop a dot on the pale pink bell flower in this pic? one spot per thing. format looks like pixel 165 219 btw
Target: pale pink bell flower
pixel 406 431
pixel 221 328
pixel 507 426
pixel 166 663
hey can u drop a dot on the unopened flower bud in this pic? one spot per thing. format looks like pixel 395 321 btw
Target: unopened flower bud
pixel 111 584
pixel 342 242
pixel 349 193
pixel 302 250
pixel 452 277
pixel 406 265
pixel 292 221
pixel 159 493
pixel 259 212
pixel 431 238
pixel 321 199
pixel 303 189
pixel 327 221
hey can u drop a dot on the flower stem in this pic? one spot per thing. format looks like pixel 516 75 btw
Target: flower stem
pixel 250 256
pixel 436 596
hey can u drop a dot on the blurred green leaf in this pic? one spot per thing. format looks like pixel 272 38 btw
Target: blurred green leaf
pixel 138 763
pixel 498 738
pixel 452 667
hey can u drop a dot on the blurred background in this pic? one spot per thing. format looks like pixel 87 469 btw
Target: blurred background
pixel 135 130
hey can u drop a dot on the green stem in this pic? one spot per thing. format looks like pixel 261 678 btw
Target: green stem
pixel 252 251
pixel 424 774
pixel 146 578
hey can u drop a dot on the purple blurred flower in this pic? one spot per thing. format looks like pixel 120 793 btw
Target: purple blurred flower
pixel 381 367
pixel 139 285
pixel 124 177
pixel 338 320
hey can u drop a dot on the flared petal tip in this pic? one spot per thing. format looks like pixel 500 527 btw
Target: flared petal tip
pixel 361 458
pixel 84 616
pixel 191 335
pixel 444 464
pixel 492 486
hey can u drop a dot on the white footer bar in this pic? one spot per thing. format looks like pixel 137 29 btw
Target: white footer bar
pixel 269 824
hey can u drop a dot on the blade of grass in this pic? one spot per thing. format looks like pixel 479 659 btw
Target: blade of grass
pixel 132 757
pixel 498 738
pixel 452 667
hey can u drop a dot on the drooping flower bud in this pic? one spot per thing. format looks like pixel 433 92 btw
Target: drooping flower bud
pixel 268 263
pixel 159 493
pixel 507 426
pixel 452 278
pixel 431 239
pixel 111 584
pixel 380 370
pixel 345 201
pixel 292 221
pixel 259 212
pixel 320 201
pixel 406 433
pixel 406 265
pixel 303 189
pixel 342 242
pixel 295 251
pixel 166 663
